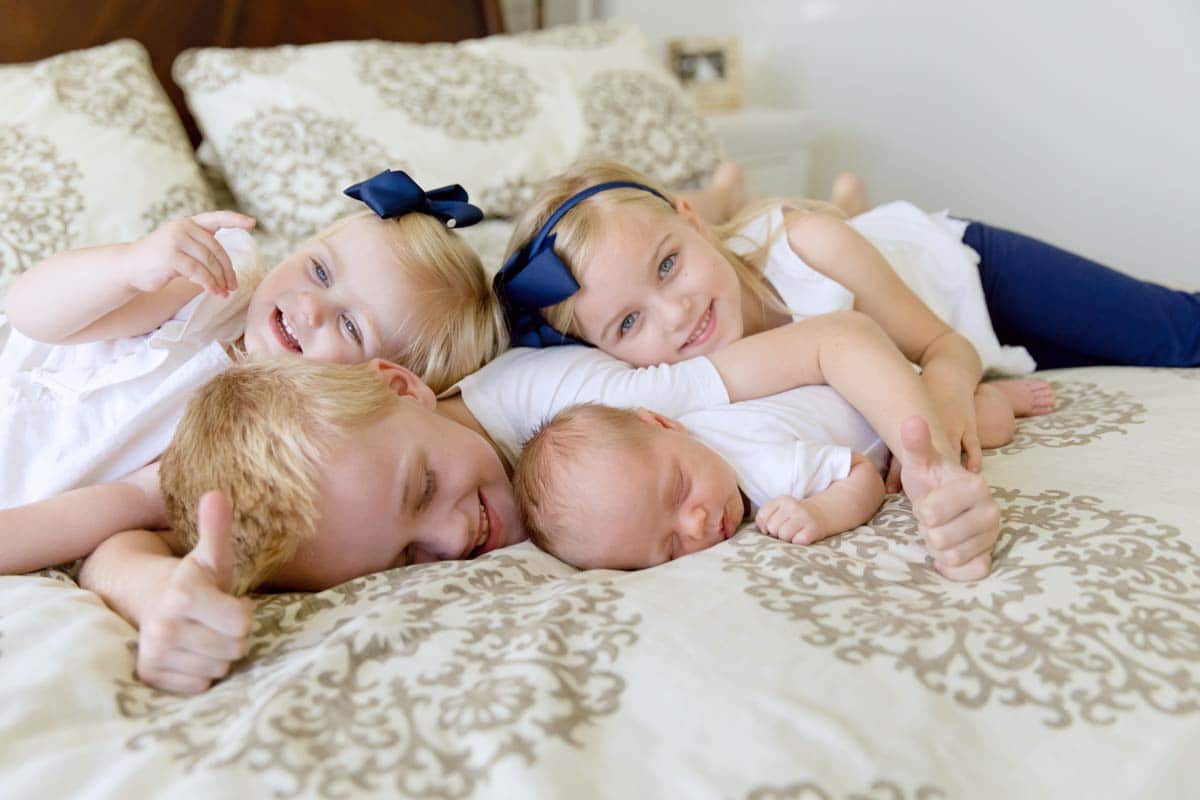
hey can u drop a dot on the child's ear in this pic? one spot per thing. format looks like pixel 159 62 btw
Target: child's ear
pixel 403 381
pixel 658 420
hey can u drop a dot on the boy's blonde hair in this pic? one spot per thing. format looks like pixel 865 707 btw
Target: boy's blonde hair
pixel 544 477
pixel 578 231
pixel 259 432
pixel 456 324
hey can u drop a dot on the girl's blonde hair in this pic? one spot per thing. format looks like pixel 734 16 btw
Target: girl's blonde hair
pixel 578 231
pixel 259 432
pixel 456 324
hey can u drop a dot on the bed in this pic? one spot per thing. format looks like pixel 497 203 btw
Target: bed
pixel 756 669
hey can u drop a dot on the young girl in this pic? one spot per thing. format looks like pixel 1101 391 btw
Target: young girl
pixel 644 279
pixel 103 346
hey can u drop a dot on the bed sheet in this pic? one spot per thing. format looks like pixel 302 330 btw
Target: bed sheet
pixel 756 669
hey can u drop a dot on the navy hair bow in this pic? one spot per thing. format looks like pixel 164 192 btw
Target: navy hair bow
pixel 394 194
pixel 535 277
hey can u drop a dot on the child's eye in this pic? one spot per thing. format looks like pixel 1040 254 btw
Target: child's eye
pixel 352 329
pixel 628 323
pixel 430 489
pixel 664 268
pixel 321 274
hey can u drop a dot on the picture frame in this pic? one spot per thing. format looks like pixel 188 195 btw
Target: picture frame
pixel 710 69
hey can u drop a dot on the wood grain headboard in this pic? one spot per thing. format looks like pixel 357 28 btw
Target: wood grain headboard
pixel 34 29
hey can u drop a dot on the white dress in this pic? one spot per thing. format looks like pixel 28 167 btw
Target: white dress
pixel 76 415
pixel 925 250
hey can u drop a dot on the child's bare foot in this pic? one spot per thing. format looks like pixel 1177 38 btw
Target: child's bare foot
pixel 727 187
pixel 1029 398
pixel 849 194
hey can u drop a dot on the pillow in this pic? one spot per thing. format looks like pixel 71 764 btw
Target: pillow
pixel 292 126
pixel 91 152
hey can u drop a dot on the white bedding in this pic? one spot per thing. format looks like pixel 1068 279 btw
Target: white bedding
pixel 752 670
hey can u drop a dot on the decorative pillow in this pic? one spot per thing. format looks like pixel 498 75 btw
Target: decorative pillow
pixel 91 152
pixel 292 126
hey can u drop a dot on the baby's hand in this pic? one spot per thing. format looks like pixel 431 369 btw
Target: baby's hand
pixel 186 248
pixel 199 629
pixel 790 519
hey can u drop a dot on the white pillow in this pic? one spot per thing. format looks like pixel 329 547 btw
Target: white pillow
pixel 293 126
pixel 91 152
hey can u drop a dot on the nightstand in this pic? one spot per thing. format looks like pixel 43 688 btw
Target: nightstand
pixel 774 146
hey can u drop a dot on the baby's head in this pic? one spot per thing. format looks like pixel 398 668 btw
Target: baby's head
pixel 334 471
pixel 609 488
pixel 405 289
pixel 656 284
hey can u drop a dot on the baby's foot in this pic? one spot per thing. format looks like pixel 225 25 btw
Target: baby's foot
pixel 1029 398
pixel 727 187
pixel 849 194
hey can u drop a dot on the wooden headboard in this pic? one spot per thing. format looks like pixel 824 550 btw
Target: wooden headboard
pixel 34 29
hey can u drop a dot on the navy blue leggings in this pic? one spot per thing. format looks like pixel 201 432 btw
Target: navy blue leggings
pixel 1072 312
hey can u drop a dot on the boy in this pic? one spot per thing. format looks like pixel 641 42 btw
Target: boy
pixel 642 489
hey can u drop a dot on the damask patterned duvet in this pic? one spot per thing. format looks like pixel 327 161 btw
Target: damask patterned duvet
pixel 756 669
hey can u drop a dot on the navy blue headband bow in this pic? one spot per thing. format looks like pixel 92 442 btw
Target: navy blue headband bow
pixel 535 277
pixel 394 194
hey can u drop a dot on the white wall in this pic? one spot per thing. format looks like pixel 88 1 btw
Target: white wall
pixel 1076 121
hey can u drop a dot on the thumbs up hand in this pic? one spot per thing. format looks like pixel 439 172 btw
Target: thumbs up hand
pixel 199 628
pixel 956 515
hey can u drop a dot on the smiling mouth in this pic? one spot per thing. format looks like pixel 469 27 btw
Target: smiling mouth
pixel 488 535
pixel 704 328
pixel 285 334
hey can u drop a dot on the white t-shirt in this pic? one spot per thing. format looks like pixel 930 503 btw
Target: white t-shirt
pixel 512 396
pixel 794 443
pixel 77 415
pixel 925 250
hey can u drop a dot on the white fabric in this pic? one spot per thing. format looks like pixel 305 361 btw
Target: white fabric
pixel 794 443
pixel 523 388
pixel 925 250
pixel 76 415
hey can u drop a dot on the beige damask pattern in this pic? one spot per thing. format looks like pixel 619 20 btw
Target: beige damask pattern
pixel 648 125
pixel 114 87
pixel 422 680
pixel 879 790
pixel 1128 638
pixel 215 68
pixel 574 36
pixel 288 167
pixel 180 200
pixel 40 200
pixel 464 95
pixel 1084 412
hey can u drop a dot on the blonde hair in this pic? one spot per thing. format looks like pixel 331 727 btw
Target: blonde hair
pixel 579 230
pixel 455 324
pixel 258 433
pixel 543 475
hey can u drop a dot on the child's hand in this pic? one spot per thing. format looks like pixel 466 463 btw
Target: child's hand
pixel 186 248
pixel 790 519
pixel 199 629
pixel 956 515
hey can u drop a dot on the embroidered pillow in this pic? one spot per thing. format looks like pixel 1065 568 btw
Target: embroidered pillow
pixel 91 152
pixel 290 127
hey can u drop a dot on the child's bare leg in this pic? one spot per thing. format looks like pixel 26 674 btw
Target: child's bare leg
pixel 1028 398
pixel 993 417
pixel 849 194
pixel 724 195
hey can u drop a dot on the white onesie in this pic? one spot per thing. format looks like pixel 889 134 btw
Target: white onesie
pixel 925 250
pixel 76 415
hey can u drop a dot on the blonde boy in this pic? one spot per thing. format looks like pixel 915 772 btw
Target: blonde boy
pixel 608 488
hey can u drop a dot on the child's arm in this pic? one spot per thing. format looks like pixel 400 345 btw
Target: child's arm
pixel 124 289
pixel 71 525
pixel 191 629
pixel 950 366
pixel 843 506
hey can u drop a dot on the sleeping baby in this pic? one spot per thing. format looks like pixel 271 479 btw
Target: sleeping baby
pixel 608 488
